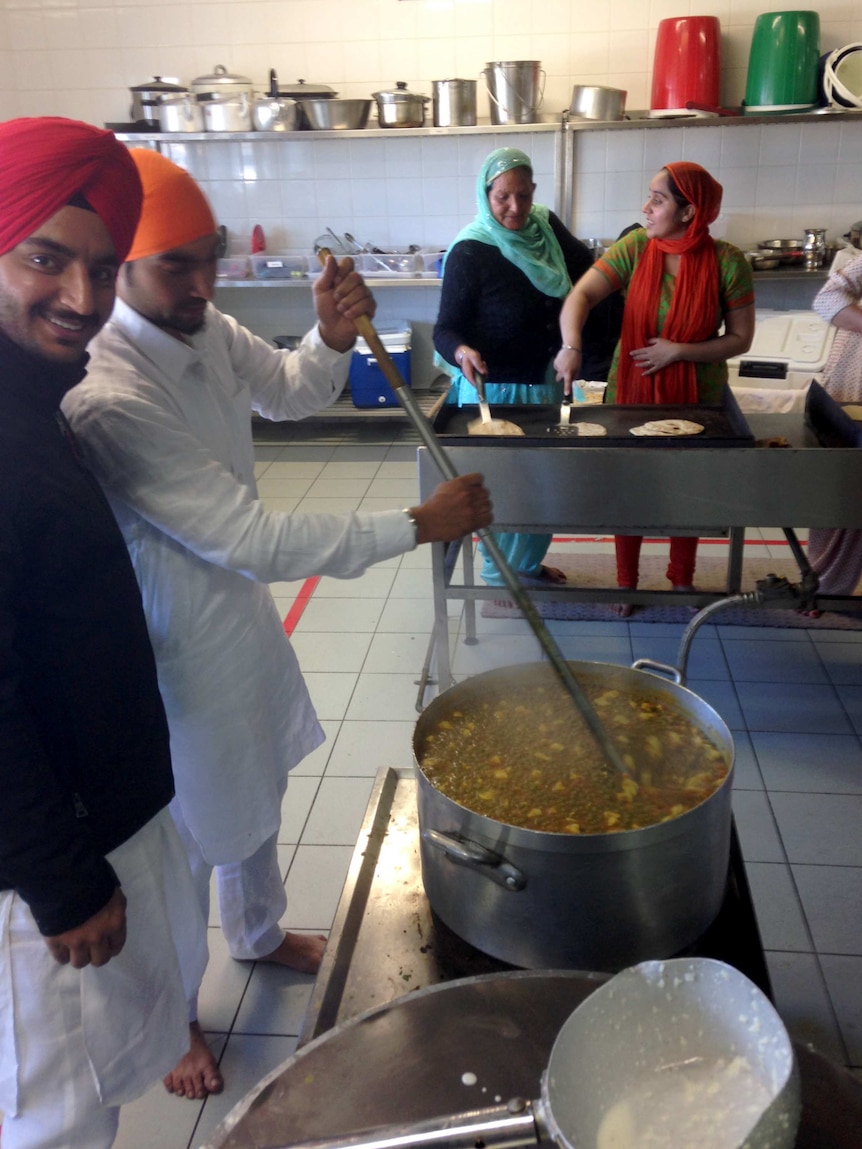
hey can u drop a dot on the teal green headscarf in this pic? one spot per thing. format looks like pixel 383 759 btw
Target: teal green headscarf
pixel 534 249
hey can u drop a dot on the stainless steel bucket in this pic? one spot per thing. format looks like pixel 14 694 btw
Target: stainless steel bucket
pixel 567 901
pixel 454 103
pixel 516 89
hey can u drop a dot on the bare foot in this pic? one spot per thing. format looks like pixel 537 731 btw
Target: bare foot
pixel 302 952
pixel 552 574
pixel 623 609
pixel 197 1073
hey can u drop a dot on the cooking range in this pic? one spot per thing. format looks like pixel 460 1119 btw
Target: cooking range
pixel 406 1023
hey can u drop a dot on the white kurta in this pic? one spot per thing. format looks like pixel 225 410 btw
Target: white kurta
pixel 166 427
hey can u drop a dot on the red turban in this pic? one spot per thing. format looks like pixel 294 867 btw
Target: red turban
pixel 175 210
pixel 45 161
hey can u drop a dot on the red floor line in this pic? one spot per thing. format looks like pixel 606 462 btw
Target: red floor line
pixel 299 604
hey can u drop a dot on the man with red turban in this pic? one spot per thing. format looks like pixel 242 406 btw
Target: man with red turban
pixel 164 419
pixel 95 896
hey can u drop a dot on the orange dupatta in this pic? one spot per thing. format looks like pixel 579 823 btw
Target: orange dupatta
pixel 691 316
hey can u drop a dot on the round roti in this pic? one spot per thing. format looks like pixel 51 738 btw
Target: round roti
pixel 585 429
pixel 495 427
pixel 668 427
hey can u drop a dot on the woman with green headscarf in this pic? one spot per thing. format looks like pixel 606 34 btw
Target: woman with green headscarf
pixel 505 277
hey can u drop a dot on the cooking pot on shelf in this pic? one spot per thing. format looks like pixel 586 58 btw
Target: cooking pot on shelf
pixel 274 112
pixel 228 113
pixel 400 108
pixel 454 103
pixel 593 102
pixel 147 97
pixel 574 901
pixel 301 91
pixel 181 113
pixel 220 82
pixel 330 114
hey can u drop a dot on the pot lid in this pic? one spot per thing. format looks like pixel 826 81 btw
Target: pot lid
pixel 399 95
pixel 157 84
pixel 303 91
pixel 218 77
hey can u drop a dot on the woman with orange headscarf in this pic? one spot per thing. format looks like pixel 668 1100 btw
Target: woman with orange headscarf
pixel 680 286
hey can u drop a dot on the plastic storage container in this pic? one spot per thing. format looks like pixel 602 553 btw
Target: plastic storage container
pixel 368 385
pixel 269 265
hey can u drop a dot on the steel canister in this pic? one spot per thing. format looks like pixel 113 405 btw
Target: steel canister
pixel 454 103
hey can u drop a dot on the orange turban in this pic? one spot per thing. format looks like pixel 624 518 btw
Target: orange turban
pixel 175 209
pixel 46 161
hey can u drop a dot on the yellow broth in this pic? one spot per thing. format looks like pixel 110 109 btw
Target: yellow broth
pixel 526 757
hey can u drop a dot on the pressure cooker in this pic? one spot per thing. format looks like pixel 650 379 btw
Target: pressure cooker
pixel 147 97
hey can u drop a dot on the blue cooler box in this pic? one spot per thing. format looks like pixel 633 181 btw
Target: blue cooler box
pixel 368 385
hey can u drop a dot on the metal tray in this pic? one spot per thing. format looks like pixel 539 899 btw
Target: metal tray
pixel 724 425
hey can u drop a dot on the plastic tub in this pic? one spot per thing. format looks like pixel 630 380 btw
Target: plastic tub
pixel 232 267
pixel 272 266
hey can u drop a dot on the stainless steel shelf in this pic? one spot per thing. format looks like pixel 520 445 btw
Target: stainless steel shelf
pixel 306 281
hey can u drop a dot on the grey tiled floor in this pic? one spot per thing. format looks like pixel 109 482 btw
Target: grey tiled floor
pixel 791 697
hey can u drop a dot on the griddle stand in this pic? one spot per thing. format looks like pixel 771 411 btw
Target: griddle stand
pixel 701 491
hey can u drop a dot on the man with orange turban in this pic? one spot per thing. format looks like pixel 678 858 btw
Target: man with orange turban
pixel 94 885
pixel 164 419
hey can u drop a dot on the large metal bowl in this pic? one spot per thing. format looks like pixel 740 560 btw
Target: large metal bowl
pixel 787 250
pixel 336 115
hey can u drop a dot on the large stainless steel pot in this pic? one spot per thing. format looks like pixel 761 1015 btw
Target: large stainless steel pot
pixel 146 99
pixel 219 83
pixel 454 103
pixel 561 901
pixel 181 113
pixel 228 113
pixel 275 114
pixel 593 102
pixel 400 108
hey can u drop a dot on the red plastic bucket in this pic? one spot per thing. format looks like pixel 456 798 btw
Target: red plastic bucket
pixel 687 64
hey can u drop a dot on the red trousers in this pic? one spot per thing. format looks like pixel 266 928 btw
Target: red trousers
pixel 680 570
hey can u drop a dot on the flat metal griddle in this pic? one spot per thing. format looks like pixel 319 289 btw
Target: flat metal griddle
pixel 724 425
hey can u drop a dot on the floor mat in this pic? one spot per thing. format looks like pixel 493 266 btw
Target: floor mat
pixel 599 571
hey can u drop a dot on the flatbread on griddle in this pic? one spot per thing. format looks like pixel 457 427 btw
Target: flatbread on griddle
pixel 585 429
pixel 668 427
pixel 495 427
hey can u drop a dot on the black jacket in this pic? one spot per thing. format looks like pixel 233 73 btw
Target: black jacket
pixel 84 759
pixel 488 303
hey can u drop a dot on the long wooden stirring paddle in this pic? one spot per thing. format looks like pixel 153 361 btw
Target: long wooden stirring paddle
pixel 447 468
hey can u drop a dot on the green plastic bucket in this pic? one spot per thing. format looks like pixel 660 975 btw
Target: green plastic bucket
pixel 784 61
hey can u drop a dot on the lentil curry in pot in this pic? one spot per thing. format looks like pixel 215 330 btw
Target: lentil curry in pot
pixel 525 757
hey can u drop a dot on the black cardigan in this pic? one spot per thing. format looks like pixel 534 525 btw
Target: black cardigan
pixel 84 758
pixel 488 303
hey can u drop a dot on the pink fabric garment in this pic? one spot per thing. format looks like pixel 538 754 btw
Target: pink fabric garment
pixel 836 555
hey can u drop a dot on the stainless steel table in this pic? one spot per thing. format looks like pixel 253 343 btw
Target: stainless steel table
pixel 641 490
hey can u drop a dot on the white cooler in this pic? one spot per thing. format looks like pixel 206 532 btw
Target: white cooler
pixel 790 348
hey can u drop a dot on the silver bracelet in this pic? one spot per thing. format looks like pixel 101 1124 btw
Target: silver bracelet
pixel 568 347
pixel 411 518
pixel 459 357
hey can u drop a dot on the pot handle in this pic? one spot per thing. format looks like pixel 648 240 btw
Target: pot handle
pixel 506 1126
pixel 658 668
pixel 478 858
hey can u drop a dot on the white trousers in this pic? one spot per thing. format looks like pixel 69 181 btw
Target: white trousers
pixel 251 897
pixel 76 1044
